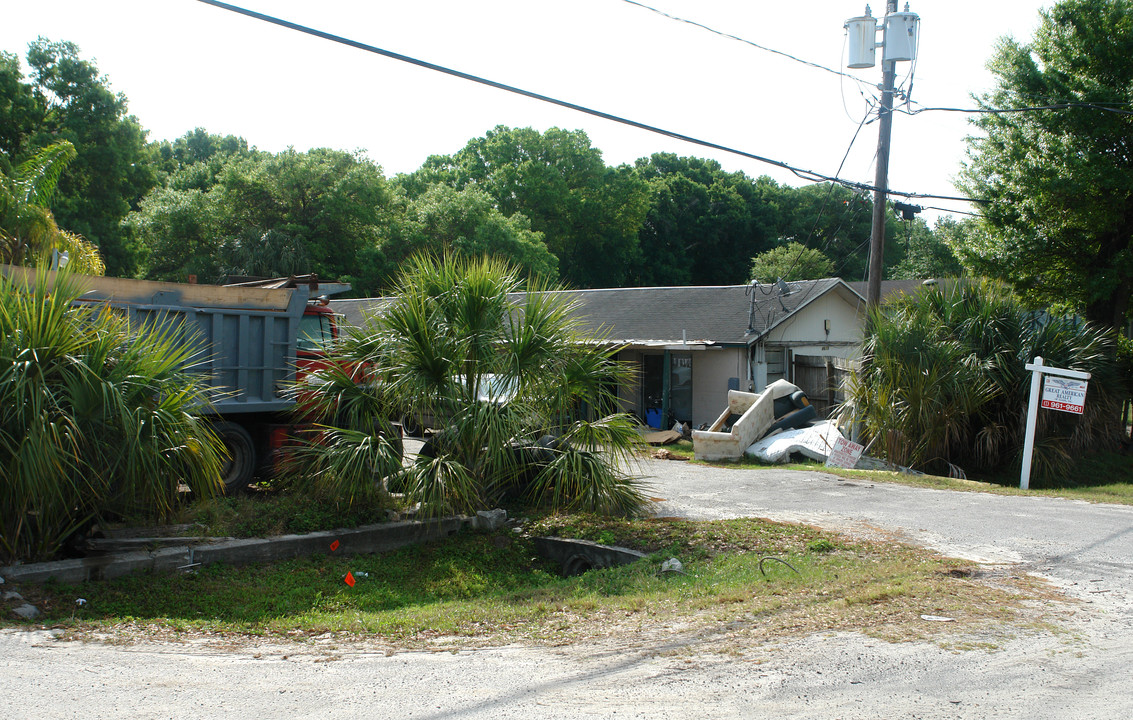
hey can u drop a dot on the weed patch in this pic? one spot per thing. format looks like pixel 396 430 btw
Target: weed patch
pixel 491 588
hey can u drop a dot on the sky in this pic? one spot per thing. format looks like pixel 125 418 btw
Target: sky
pixel 184 64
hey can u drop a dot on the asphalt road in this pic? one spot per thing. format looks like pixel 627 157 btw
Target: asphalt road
pixel 1081 672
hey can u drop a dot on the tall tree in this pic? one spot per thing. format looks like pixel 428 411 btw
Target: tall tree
pixel 829 218
pixel 112 169
pixel 263 214
pixel 700 220
pixel 928 253
pixel 1058 184
pixel 467 223
pixel 589 213
pixel 21 110
pixel 196 158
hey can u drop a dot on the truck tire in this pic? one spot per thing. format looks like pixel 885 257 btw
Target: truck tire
pixel 240 464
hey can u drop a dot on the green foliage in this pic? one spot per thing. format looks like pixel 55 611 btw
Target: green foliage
pixel 112 169
pixel 830 218
pixel 464 222
pixel 246 213
pixel 20 110
pixel 1058 222
pixel 266 514
pixel 456 328
pixel 200 153
pixel 96 418
pixel 700 219
pixel 28 232
pixel 589 214
pixel 929 253
pixel 942 384
pixel 792 261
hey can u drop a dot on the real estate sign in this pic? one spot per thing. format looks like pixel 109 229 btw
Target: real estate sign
pixel 1065 394
pixel 1064 390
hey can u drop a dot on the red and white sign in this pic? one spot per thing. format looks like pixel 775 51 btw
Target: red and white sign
pixel 844 454
pixel 1065 394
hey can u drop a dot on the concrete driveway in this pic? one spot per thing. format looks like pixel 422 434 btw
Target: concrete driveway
pixel 1080 673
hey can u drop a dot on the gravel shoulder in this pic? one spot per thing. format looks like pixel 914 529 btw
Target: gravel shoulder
pixel 1078 670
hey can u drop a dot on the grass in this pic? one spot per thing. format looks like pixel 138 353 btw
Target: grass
pixel 490 588
pixel 268 513
pixel 1102 477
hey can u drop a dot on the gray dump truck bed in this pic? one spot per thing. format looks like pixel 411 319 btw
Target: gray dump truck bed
pixel 245 338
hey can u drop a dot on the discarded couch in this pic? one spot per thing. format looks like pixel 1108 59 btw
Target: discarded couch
pixel 781 405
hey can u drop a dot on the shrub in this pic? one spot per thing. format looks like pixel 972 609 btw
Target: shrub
pixel 96 418
pixel 457 327
pixel 942 383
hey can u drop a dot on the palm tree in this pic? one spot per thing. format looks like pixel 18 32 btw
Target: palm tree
pixel 509 376
pixel 28 233
pixel 942 385
pixel 97 419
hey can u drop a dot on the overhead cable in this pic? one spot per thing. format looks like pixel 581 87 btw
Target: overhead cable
pixel 808 175
pixel 749 42
pixel 1000 111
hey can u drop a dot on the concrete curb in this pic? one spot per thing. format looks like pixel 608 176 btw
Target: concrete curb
pixel 577 556
pixel 382 537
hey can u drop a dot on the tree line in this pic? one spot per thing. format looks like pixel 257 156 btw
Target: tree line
pixel 213 206
pixel 1054 180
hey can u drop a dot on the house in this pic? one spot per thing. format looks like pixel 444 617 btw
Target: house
pixel 692 344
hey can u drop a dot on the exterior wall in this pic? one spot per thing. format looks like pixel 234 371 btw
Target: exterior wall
pixel 629 396
pixel 808 327
pixel 805 334
pixel 711 370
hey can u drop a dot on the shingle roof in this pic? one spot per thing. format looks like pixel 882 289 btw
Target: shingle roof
pixel 357 309
pixel 716 314
pixel 893 289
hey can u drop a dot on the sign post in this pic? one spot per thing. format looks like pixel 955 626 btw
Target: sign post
pixel 1067 395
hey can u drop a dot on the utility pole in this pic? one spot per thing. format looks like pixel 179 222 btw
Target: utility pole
pixel 899 42
pixel 881 177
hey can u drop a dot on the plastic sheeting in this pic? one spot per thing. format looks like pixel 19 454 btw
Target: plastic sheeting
pixel 814 442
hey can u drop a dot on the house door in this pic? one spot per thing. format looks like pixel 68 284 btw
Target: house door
pixel 680 387
pixel 666 388
pixel 653 389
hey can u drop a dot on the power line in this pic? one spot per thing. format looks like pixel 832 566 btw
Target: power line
pixel 808 175
pixel 1001 111
pixel 949 210
pixel 826 201
pixel 748 42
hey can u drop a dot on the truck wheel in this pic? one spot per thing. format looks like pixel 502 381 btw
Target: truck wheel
pixel 241 461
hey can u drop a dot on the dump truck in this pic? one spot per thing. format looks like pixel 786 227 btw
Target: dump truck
pixel 251 343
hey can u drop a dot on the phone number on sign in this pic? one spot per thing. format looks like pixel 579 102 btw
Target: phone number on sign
pixel 1053 405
